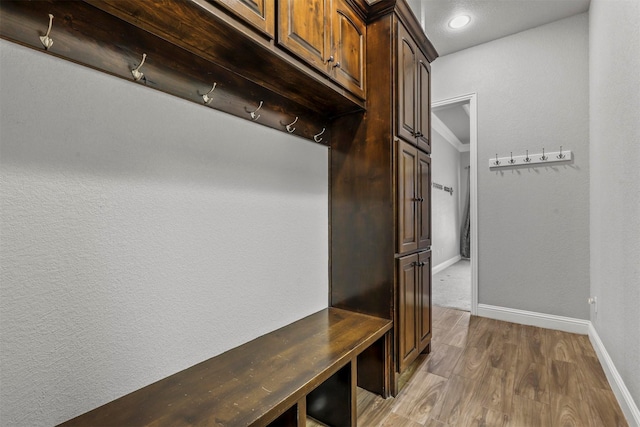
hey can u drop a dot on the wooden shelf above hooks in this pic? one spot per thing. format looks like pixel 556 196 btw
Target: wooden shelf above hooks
pixel 90 36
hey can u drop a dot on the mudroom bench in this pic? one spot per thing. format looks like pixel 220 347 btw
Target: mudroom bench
pixel 308 369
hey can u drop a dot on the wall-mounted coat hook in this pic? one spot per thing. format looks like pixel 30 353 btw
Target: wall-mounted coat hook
pixel 253 114
pixel 206 98
pixel 290 127
pixel 47 41
pixel 543 158
pixel 531 160
pixel 316 137
pixel 137 74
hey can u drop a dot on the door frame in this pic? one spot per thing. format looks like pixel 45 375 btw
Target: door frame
pixel 473 185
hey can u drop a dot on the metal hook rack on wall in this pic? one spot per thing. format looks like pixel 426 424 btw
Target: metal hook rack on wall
pixel 530 159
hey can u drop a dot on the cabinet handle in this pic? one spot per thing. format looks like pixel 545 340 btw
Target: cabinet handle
pixel 331 59
pixel 422 264
pixel 419 134
pixel 336 65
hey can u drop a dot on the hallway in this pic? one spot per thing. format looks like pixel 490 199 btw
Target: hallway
pixel 492 373
pixel 451 287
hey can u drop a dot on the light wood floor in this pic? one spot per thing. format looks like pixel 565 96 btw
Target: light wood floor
pixel 484 372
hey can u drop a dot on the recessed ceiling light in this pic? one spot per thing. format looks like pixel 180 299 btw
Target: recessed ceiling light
pixel 459 21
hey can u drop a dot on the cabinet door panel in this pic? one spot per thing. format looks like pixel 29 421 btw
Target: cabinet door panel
pixel 424 104
pixel 424 300
pixel 407 53
pixel 407 191
pixel 349 33
pixel 407 313
pixel 302 29
pixel 259 13
pixel 424 204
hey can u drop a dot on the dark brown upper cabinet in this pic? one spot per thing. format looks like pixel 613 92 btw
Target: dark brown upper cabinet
pixel 303 29
pixel 348 47
pixel 413 103
pixel 414 195
pixel 259 13
pixel 328 35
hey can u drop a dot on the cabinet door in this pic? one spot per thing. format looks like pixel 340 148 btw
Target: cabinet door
pixel 259 13
pixel 407 56
pixel 407 197
pixel 424 200
pixel 348 48
pixel 407 311
pixel 424 300
pixel 303 29
pixel 423 127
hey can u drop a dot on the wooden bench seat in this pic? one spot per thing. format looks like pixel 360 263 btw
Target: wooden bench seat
pixel 307 368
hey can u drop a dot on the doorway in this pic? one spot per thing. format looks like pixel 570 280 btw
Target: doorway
pixel 454 203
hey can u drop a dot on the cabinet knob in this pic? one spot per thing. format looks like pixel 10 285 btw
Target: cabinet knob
pixel 419 134
pixel 336 65
pixel 331 59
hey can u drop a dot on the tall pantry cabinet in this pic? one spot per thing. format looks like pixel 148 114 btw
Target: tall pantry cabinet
pixel 380 189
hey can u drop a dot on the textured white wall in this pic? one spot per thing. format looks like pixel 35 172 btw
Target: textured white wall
pixel 533 223
pixel 614 46
pixel 445 216
pixel 141 234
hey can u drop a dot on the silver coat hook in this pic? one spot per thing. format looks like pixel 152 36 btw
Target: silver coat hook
pixel 255 116
pixel 527 159
pixel 316 137
pixel 206 98
pixel 497 162
pixel 543 156
pixel 47 41
pixel 512 161
pixel 290 127
pixel 560 156
pixel 137 74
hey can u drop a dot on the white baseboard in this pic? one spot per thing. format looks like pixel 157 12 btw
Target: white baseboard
pixel 549 321
pixel 628 406
pixel 577 326
pixel 448 263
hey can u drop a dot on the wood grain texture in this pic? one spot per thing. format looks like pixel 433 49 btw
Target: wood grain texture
pixel 95 38
pixel 417 399
pixel 255 383
pixel 505 375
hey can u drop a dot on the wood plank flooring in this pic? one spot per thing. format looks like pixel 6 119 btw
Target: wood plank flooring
pixel 484 372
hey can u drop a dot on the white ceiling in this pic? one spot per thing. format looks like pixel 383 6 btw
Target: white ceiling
pixel 456 118
pixel 490 19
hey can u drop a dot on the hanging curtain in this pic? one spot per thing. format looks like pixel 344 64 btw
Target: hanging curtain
pixel 465 229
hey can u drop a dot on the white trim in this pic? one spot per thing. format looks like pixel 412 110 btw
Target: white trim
pixel 578 326
pixel 473 158
pixel 628 406
pixel 444 131
pixel 448 263
pixel 542 320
